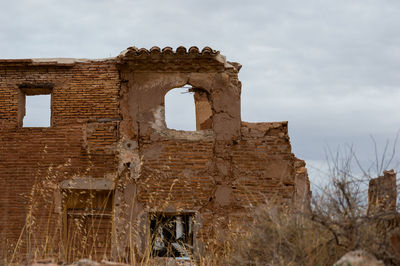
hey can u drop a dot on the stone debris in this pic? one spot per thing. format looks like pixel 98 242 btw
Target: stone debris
pixel 358 258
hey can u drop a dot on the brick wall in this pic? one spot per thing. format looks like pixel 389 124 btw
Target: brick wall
pixel 33 161
pixel 176 173
pixel 263 164
pixel 80 91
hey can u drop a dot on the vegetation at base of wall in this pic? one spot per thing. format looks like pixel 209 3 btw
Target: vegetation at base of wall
pixel 279 237
pixel 337 221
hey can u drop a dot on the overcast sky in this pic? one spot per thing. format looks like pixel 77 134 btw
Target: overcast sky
pixel 331 68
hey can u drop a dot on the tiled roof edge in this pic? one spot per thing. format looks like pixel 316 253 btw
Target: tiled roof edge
pixel 181 50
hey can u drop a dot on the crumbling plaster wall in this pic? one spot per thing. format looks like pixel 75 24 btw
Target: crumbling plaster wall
pixel 218 173
pixel 176 167
pixel 144 102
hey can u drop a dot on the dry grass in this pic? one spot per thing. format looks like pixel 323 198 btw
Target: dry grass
pixel 276 237
pixel 337 222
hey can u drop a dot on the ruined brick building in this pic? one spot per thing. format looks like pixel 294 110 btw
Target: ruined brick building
pixel 107 177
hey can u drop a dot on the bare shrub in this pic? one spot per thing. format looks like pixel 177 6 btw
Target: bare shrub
pixel 337 222
pixel 281 237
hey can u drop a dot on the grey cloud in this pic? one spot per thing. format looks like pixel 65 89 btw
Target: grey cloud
pixel 329 67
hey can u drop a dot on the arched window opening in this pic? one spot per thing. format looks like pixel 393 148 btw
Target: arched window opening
pixel 180 109
pixel 188 108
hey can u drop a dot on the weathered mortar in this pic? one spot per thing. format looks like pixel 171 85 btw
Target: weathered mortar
pixel 108 123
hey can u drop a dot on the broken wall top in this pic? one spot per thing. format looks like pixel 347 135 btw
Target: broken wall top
pixel 49 62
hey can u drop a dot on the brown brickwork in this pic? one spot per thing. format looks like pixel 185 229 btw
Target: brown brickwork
pixel 108 124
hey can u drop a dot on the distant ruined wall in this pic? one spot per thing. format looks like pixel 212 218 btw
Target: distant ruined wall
pixel 382 193
pixel 108 124
pixel 382 207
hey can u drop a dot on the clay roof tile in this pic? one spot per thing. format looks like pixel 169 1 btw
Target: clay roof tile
pixel 193 50
pixel 181 50
pixel 133 48
pixel 167 50
pixel 207 50
pixel 155 50
pixel 143 51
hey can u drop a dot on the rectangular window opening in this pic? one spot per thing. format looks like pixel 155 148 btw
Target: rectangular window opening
pixel 37 111
pixel 171 235
pixel 34 107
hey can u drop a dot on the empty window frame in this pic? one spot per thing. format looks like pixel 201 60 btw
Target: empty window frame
pixel 180 109
pixel 35 105
pixel 188 108
pixel 171 235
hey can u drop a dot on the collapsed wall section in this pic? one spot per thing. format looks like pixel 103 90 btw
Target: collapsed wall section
pixel 263 164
